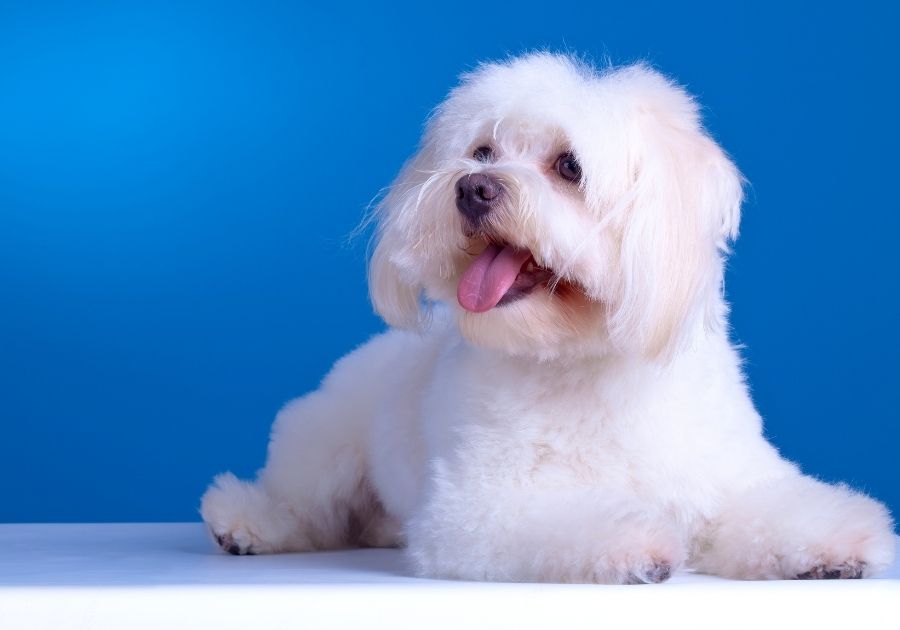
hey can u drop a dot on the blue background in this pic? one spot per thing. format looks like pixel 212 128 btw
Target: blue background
pixel 177 184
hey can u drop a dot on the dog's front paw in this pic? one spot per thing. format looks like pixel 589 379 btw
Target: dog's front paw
pixel 654 572
pixel 799 528
pixel 844 535
pixel 237 543
pixel 243 519
pixel 845 551
pixel 643 561
pixel 846 571
pixel 639 548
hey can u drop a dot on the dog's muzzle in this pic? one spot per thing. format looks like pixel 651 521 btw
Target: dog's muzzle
pixel 476 195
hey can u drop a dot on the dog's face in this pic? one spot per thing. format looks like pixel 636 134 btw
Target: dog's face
pixel 560 211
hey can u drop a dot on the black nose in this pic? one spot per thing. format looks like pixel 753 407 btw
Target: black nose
pixel 476 194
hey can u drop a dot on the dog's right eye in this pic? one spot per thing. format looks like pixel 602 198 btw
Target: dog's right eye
pixel 483 154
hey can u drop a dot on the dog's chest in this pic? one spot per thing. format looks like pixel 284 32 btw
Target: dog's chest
pixel 563 423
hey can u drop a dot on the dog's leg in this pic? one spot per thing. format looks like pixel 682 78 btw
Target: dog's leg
pixel 542 535
pixel 314 492
pixel 797 528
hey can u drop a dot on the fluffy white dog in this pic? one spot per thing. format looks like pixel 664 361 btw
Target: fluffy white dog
pixel 559 399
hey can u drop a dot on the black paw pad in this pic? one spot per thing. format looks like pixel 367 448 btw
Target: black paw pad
pixel 654 574
pixel 226 542
pixel 846 571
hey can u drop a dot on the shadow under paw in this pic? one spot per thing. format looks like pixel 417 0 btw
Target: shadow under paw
pixel 846 571
pixel 227 542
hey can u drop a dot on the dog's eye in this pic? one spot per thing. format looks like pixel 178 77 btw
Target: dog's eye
pixel 568 167
pixel 483 154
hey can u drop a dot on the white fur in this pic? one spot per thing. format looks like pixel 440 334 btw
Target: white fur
pixel 607 436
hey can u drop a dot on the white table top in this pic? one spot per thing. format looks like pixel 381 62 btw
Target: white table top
pixel 168 575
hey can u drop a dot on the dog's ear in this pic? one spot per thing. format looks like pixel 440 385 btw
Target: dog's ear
pixel 396 298
pixel 395 293
pixel 685 197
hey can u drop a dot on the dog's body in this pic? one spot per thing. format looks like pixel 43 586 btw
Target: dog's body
pixel 575 412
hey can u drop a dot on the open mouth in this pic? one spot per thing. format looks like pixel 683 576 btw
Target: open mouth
pixel 501 274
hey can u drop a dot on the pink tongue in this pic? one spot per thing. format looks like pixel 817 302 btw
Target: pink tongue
pixel 489 277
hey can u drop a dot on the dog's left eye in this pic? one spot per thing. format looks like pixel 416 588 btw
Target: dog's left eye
pixel 568 167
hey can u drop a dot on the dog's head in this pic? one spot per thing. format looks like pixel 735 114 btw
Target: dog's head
pixel 558 209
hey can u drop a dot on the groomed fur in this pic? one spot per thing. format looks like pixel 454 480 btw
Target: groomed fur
pixel 598 429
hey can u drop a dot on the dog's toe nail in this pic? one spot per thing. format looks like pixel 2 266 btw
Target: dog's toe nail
pixel 851 571
pixel 656 573
pixel 227 543
pixel 847 571
pixel 659 573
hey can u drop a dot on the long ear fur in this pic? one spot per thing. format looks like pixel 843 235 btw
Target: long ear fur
pixel 396 298
pixel 687 196
pixel 395 291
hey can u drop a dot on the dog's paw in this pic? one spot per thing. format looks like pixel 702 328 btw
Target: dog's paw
pixel 639 566
pixel 654 572
pixel 243 519
pixel 228 542
pixel 852 570
pixel 853 545
pixel 644 551
pixel 799 528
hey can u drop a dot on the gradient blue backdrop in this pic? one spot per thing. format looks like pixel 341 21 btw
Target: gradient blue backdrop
pixel 177 182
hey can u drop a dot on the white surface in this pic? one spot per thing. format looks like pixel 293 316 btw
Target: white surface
pixel 165 576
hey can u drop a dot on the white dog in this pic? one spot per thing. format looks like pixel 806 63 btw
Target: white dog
pixel 559 399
